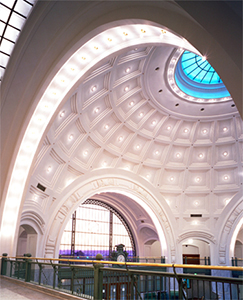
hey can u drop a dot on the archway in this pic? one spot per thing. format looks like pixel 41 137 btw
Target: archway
pixel 97 227
pixel 230 231
pixel 131 193
pixel 27 241
pixel 196 251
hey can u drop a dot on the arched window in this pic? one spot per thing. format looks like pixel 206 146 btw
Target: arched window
pixel 96 227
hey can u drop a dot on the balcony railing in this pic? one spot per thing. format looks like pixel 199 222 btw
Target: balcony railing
pixel 157 259
pixel 112 280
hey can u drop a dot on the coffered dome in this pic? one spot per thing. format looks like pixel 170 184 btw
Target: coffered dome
pixel 97 104
pixel 124 116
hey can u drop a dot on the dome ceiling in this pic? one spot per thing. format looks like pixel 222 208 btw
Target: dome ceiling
pixel 125 116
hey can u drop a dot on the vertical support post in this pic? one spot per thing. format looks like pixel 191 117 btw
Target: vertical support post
pixel 132 286
pixel 72 280
pixel 54 276
pixel 40 269
pixel 73 234
pixel 27 267
pixel 110 233
pixel 236 263
pixel 98 278
pixel 4 264
pixel 11 268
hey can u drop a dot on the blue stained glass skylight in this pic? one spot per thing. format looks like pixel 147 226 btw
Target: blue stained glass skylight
pixel 197 78
pixel 199 69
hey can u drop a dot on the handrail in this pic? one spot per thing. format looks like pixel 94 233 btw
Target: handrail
pixel 223 268
pixel 148 257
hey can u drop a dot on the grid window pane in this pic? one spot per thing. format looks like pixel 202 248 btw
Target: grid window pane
pixel 92 232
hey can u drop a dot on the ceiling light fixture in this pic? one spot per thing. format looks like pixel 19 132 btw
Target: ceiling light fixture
pixel 48 169
pixel 93 88
pixel 126 88
pixel 127 70
pixel 70 137
pixel 225 153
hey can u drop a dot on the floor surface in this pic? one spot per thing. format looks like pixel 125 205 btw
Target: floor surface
pixel 12 290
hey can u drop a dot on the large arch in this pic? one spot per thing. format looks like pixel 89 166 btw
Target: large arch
pixel 229 231
pixel 114 183
pixel 61 42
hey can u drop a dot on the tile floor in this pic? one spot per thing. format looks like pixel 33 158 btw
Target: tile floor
pixel 10 290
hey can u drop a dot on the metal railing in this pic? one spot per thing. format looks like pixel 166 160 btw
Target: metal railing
pixel 157 259
pixel 121 281
pixel 237 262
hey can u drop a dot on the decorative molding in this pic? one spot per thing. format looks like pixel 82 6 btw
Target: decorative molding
pixel 197 234
pixel 93 187
pixel 33 218
pixel 227 231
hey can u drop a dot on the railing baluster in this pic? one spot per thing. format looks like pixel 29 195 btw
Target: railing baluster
pixel 223 290
pixel 129 282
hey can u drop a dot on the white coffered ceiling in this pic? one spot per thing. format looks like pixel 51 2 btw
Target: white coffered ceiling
pixel 123 115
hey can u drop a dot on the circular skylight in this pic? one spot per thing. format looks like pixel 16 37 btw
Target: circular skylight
pixel 198 69
pixel 192 78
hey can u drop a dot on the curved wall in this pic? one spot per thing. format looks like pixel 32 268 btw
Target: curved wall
pixel 38 56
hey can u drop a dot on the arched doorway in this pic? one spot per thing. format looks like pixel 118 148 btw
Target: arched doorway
pixel 196 251
pixel 27 241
